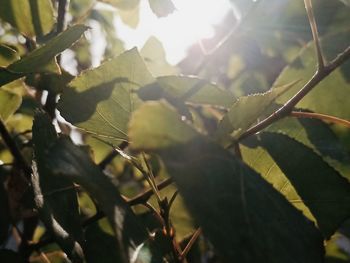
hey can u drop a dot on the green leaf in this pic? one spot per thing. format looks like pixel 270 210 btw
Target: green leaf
pixel 320 187
pixel 106 97
pixel 154 55
pixel 330 95
pixel 70 161
pixel 240 213
pixel 7 55
pixel 55 196
pixel 150 130
pixel 31 18
pixel 318 136
pixel 247 111
pixel 162 7
pixel 37 60
pixel 9 103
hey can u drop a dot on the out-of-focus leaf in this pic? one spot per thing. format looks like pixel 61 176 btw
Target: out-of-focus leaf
pixel 346 2
pixel 320 187
pixel 246 111
pixel 106 97
pixel 122 4
pixel 55 196
pixel 9 103
pixel 154 55
pixel 37 60
pixel 331 95
pixel 130 17
pixel 66 159
pixel 162 7
pixel 31 18
pixel 252 220
pixel 7 55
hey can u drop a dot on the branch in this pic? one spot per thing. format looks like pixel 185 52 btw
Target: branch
pixel 324 117
pixel 289 105
pixel 191 243
pixel 137 200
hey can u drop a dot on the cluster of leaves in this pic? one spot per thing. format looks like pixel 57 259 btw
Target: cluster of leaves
pixel 254 143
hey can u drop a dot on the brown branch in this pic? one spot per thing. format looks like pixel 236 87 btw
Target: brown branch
pixel 319 116
pixel 289 105
pixel 137 200
pixel 191 243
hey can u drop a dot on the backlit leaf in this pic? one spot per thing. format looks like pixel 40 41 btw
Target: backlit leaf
pixel 9 103
pixel 241 214
pixel 31 18
pixel 319 186
pixel 106 97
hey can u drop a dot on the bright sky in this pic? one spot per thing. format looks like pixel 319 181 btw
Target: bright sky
pixel 193 20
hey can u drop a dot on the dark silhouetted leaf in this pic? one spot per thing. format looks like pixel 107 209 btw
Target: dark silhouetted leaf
pixel 242 215
pixel 320 187
pixel 55 196
pixel 7 55
pixel 66 159
pixel 40 58
pixel 105 96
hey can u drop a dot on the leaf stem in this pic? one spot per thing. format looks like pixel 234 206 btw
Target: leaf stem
pixel 312 115
pixel 191 243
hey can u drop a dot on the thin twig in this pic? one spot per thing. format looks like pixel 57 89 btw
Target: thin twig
pixel 324 117
pixel 191 243
pixel 114 153
pixel 289 105
pixel 313 25
pixel 137 200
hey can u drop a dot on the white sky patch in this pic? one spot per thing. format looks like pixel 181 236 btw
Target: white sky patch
pixel 193 20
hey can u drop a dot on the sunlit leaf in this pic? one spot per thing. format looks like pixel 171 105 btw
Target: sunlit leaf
pixel 66 159
pixel 162 7
pixel 247 111
pixel 31 18
pixel 147 121
pixel 330 95
pixel 319 186
pixel 7 55
pixel 154 55
pixel 130 17
pixel 106 97
pixel 9 103
pixel 55 196
pixel 242 215
pixel 37 60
